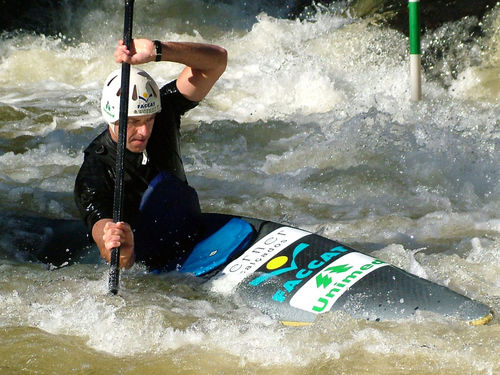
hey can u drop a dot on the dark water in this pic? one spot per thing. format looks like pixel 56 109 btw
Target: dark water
pixel 311 125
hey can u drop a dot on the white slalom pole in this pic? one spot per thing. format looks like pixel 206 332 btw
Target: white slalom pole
pixel 415 57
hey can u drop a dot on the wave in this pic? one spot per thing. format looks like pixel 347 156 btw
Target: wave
pixel 69 17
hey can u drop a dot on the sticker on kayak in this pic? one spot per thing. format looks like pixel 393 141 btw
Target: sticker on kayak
pixel 258 254
pixel 294 266
pixel 320 293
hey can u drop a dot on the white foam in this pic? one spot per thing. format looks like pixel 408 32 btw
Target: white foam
pixel 38 164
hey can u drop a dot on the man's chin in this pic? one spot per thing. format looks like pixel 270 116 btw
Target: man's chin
pixel 137 147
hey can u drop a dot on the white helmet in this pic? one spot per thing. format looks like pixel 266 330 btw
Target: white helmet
pixel 144 95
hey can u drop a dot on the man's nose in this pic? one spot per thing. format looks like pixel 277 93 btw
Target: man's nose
pixel 142 129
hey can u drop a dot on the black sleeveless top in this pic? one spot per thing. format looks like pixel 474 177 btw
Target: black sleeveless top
pixel 95 182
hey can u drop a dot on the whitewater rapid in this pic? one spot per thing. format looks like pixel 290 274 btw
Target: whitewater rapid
pixel 310 125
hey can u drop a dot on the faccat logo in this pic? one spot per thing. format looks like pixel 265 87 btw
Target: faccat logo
pixel 145 97
pixel 275 265
pixel 256 256
pixel 145 105
pixel 321 292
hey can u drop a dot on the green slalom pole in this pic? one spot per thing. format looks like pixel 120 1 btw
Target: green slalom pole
pixel 415 57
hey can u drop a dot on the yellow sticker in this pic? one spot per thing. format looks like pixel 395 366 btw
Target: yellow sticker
pixel 277 262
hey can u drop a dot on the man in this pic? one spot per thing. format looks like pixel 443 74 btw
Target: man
pixel 159 207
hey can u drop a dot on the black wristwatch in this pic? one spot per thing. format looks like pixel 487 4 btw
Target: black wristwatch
pixel 158 49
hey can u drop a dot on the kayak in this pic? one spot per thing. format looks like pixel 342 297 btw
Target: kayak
pixel 288 273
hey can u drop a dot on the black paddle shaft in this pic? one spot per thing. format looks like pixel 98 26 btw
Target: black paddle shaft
pixel 114 266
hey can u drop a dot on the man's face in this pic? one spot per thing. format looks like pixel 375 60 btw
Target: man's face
pixel 139 129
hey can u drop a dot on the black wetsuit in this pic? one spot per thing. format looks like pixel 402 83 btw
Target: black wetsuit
pixel 95 182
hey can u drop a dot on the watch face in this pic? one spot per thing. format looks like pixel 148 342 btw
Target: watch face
pixel 158 50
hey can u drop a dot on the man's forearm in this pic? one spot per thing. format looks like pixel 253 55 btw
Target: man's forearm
pixel 204 63
pixel 199 56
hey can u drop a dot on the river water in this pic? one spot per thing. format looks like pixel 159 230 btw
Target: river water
pixel 311 125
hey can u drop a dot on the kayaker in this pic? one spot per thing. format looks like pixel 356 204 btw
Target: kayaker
pixel 160 210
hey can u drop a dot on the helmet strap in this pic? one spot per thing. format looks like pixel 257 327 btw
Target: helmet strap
pixel 112 128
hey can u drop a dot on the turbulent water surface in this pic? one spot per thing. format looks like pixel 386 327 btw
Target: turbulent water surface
pixel 311 125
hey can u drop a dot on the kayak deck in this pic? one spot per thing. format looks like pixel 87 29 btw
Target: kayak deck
pixel 290 274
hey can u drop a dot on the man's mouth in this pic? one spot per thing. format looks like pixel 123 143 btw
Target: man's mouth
pixel 138 140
